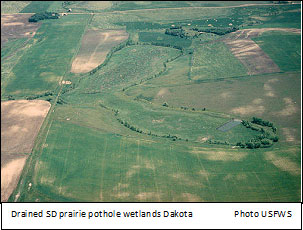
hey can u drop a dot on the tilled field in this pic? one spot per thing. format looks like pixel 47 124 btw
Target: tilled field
pixel 16 26
pixel 20 124
pixel 94 48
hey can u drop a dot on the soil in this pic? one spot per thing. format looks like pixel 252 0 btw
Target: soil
pixel 250 54
pixel 94 48
pixel 10 174
pixel 17 26
pixel 20 124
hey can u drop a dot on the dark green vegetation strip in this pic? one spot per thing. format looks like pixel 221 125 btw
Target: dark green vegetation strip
pixel 43 16
pixel 283 48
pixel 164 39
pixel 49 58
pixel 36 7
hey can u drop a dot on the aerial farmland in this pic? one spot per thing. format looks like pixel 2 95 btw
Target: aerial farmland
pixel 150 101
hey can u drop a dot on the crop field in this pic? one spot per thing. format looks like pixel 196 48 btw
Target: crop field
pixel 42 77
pixel 252 57
pixel 13 6
pixel 11 46
pixel 215 54
pixel 128 168
pixel 94 48
pixel 16 26
pixel 36 6
pixel 151 102
pixel 288 56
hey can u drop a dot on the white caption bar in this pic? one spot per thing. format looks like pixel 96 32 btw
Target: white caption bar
pixel 151 215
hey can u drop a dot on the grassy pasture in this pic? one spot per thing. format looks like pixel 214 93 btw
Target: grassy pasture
pixel 286 17
pixel 213 61
pixel 177 73
pixel 283 48
pixel 47 60
pixel 37 6
pixel 194 126
pixel 137 62
pixel 161 18
pixel 8 7
pixel 186 23
pixel 164 15
pixel 277 15
pixel 120 6
pixel 169 4
pixel 85 164
pixel 80 6
pixel 11 46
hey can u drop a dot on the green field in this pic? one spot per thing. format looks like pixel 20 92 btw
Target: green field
pixel 138 63
pixel 119 166
pixel 212 61
pixel 36 6
pixel 286 56
pixel 12 46
pixel 144 125
pixel 266 98
pixel 13 6
pixel 51 37
pixel 169 4
pixel 164 39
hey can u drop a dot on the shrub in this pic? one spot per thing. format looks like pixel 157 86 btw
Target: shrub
pixel 266 141
pixel 43 15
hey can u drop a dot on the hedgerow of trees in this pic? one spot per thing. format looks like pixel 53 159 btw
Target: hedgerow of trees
pixel 180 32
pixel 264 140
pixel 42 16
pixel 217 30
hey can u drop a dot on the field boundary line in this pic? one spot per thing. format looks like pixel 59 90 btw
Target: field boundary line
pixel 3 84
pixel 207 174
pixel 155 178
pixel 102 170
pixel 40 139
pixel 263 186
